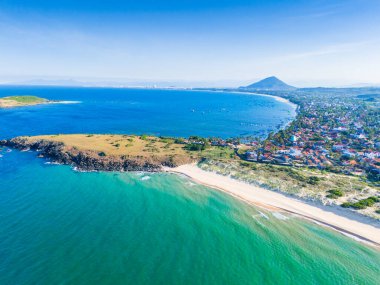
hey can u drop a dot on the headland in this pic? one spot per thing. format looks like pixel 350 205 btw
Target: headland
pixel 213 165
pixel 21 101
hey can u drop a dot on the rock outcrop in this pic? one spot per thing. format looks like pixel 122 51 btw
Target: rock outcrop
pixel 87 160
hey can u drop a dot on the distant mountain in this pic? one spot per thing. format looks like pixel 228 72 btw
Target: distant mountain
pixel 45 82
pixel 270 83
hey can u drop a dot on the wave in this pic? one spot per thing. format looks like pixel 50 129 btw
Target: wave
pixel 145 178
pixel 279 216
pixel 68 102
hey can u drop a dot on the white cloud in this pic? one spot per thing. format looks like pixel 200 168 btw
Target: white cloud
pixel 326 50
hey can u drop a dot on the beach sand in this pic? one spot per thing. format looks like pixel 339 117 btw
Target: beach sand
pixel 342 220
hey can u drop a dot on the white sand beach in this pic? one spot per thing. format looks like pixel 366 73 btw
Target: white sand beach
pixel 339 219
pixel 277 98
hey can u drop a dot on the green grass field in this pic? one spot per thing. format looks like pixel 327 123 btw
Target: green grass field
pixel 25 99
pixel 18 101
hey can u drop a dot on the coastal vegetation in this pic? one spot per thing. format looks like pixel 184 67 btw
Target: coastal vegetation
pixel 142 146
pixel 335 193
pixel 362 204
pixel 302 182
pixel 330 153
pixel 119 152
pixel 111 152
pixel 19 101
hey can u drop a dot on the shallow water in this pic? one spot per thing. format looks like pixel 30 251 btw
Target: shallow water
pixel 59 226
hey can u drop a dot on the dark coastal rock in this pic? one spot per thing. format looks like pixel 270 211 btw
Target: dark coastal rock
pixel 84 161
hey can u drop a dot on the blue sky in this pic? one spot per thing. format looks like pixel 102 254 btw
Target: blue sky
pixel 304 42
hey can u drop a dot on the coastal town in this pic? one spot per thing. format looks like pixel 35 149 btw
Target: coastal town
pixel 334 130
pixel 329 153
pixel 195 142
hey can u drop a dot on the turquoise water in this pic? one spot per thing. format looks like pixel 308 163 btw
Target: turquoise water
pixel 64 227
pixel 58 226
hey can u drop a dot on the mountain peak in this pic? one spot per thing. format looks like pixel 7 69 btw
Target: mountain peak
pixel 270 83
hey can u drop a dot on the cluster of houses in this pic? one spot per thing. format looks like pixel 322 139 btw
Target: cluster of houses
pixel 325 137
pixel 329 133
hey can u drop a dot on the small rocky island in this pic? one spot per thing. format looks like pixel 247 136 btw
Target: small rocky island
pixel 107 152
pixel 20 101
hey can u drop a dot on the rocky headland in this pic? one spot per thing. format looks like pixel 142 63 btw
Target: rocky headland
pixel 92 160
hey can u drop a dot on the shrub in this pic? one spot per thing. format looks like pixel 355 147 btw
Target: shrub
pixel 374 199
pixel 179 141
pixel 165 140
pixel 195 147
pixel 362 204
pixel 298 176
pixel 334 193
pixel 313 180
pixel 346 205
pixel 101 153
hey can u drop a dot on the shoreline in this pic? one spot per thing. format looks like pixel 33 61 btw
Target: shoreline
pixel 360 228
pixel 277 98
pixel 350 224
pixel 14 106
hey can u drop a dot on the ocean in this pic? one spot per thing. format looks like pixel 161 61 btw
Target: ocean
pixel 59 226
pixel 137 111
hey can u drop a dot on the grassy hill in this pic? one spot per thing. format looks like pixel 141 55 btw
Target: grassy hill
pixel 17 101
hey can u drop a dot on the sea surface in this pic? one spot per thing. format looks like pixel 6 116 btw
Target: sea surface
pixel 59 226
pixel 158 112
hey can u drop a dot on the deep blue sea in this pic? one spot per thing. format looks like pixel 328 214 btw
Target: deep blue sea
pixel 136 111
pixel 58 226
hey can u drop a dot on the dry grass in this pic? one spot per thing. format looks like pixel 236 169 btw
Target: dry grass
pixel 120 145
